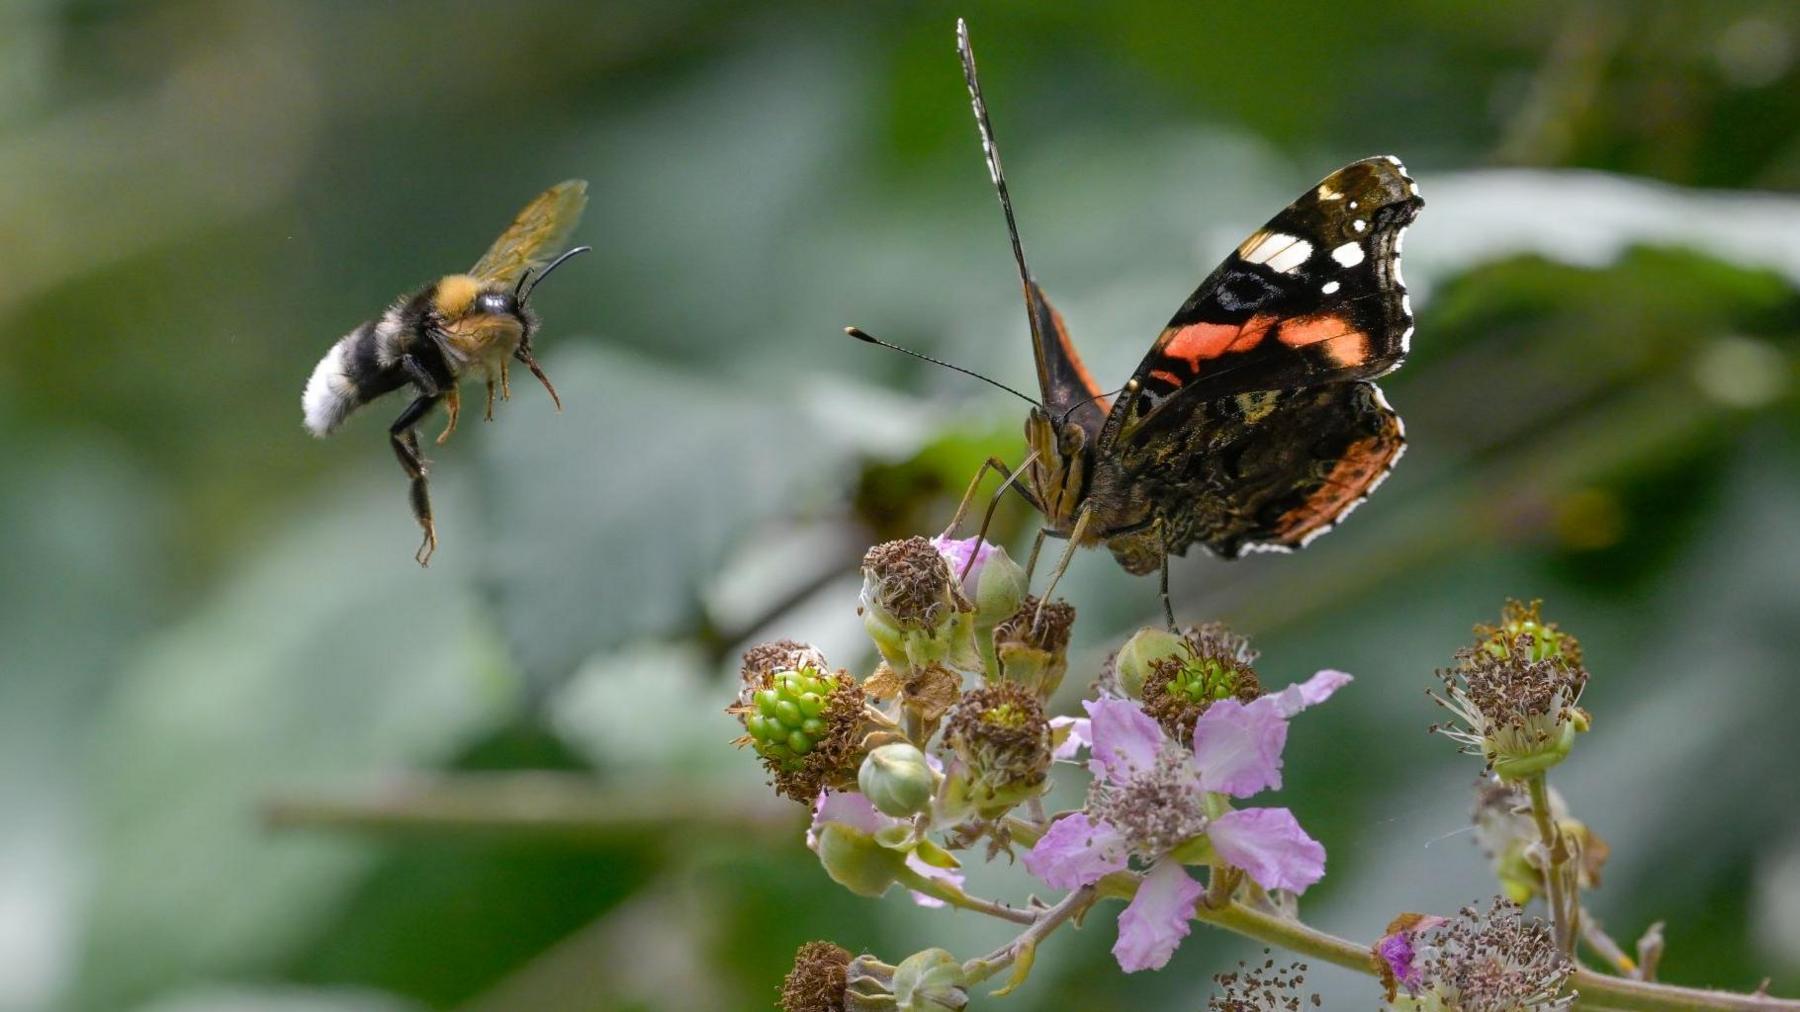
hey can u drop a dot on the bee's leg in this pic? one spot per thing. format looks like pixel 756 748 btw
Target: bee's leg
pixel 490 400
pixel 405 440
pixel 523 354
pixel 505 381
pixel 453 408
pixel 1076 534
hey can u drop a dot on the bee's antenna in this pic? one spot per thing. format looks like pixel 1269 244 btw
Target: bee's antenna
pixel 521 293
pixel 862 335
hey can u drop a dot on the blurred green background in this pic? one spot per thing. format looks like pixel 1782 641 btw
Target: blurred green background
pixel 252 757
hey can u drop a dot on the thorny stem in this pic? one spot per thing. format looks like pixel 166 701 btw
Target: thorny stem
pixel 1559 885
pixel 951 894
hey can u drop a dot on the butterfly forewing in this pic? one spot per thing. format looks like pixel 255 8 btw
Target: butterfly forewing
pixel 1314 296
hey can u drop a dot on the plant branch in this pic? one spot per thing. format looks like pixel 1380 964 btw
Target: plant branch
pixel 951 894
pixel 1559 883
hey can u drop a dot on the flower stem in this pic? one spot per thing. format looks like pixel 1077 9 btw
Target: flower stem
pixel 951 894
pixel 1559 884
pixel 1023 949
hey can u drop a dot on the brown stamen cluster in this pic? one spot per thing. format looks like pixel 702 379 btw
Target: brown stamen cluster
pixel 912 582
pixel 1495 961
pixel 818 980
pixel 1508 699
pixel 1217 666
pixel 1156 809
pixel 1046 629
pixel 1001 733
pixel 1265 988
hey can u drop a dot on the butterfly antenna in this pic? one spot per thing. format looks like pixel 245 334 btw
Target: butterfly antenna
pixel 1060 422
pixel 541 275
pixel 862 335
pixel 988 149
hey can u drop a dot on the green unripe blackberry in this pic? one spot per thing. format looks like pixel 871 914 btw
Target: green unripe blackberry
pixel 787 723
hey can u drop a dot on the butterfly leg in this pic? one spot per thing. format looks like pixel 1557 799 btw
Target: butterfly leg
pixel 962 508
pixel 1168 607
pixel 405 440
pixel 1076 534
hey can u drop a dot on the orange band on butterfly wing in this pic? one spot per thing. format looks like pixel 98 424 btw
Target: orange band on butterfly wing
pixel 1198 342
pixel 1363 464
pixel 1340 340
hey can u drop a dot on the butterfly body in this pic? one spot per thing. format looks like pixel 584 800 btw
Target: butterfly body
pixel 1252 424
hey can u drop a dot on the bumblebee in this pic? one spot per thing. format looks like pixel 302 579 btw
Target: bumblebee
pixel 459 325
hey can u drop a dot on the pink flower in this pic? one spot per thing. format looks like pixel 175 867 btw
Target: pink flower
pixel 1149 797
pixel 1080 735
pixel 957 552
pixel 850 808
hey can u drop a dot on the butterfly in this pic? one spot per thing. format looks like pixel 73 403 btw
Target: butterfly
pixel 1253 423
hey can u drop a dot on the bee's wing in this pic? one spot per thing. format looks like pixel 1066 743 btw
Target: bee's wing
pixel 535 235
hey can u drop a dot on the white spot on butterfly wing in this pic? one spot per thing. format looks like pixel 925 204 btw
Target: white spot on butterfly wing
pixel 1330 287
pixel 1360 226
pixel 1348 255
pixel 1278 251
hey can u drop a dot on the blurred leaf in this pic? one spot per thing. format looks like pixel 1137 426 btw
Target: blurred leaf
pixel 329 656
pixel 606 522
pixel 277 999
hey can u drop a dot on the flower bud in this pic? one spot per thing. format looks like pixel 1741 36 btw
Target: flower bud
pixel 1032 645
pixel 987 576
pixel 1002 743
pixel 897 781
pixel 856 860
pixel 1213 664
pixel 1131 666
pixel 930 981
pixel 913 610
pixel 819 980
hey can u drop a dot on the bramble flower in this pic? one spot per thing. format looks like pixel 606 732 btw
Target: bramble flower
pixel 993 583
pixel 805 724
pixel 1032 644
pixel 1003 746
pixel 913 608
pixel 1070 735
pixel 1519 714
pixel 1476 962
pixel 1154 800
pixel 864 850
pixel 819 979
pixel 1265 988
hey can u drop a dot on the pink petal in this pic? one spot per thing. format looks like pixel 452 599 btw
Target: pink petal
pixel 1077 851
pixel 849 808
pixel 1398 952
pixel 1081 735
pixel 1124 738
pixel 1238 748
pixel 1312 692
pixel 950 875
pixel 957 551
pixel 1270 846
pixel 1158 917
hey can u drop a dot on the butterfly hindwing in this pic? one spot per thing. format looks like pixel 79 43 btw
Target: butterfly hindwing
pixel 1313 296
pixel 1264 469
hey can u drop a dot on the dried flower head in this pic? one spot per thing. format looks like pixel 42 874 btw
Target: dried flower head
pixel 1002 739
pixel 807 727
pixel 1506 833
pixel 1215 665
pixel 818 980
pixel 1519 714
pixel 1032 644
pixel 1493 961
pixel 910 583
pixel 1264 988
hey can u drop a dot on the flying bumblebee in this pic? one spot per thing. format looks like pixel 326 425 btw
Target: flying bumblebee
pixel 460 324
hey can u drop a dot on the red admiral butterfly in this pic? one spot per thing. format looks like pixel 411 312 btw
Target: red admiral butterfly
pixel 1251 425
